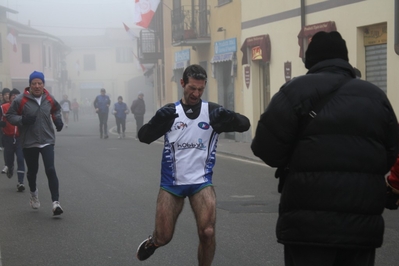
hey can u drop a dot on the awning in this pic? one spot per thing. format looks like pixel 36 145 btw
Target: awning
pixel 307 32
pixel 263 41
pixel 217 58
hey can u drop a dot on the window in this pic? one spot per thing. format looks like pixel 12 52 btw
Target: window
pixel 49 56
pixel 25 53
pixel 44 56
pixel 89 62
pixel 124 55
pixel 223 2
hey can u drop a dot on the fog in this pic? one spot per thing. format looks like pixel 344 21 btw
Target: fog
pixel 72 17
pixel 86 23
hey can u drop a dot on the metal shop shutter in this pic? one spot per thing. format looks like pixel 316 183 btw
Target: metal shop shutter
pixel 376 65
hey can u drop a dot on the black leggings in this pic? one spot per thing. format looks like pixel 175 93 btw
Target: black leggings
pixel 32 162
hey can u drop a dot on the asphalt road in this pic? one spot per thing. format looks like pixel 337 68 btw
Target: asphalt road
pixel 108 190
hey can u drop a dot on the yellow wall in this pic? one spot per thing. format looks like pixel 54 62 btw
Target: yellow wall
pixel 349 20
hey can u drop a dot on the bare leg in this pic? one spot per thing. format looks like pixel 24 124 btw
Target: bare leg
pixel 203 204
pixel 168 209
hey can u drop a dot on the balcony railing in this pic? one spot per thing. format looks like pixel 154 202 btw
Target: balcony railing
pixel 149 48
pixel 190 25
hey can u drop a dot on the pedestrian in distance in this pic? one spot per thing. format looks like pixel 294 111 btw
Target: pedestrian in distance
pixel 138 110
pixel 5 94
pixel 75 110
pixel 36 112
pixel 101 105
pixel 65 109
pixel 190 128
pixel 332 138
pixel 12 144
pixel 120 111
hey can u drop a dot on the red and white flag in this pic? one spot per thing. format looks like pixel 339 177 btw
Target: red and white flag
pixel 129 31
pixel 12 38
pixel 144 11
pixel 138 64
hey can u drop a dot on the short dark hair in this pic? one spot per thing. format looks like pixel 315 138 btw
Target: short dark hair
pixel 195 72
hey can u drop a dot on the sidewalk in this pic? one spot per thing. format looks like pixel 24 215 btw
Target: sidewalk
pixel 237 149
pixel 224 146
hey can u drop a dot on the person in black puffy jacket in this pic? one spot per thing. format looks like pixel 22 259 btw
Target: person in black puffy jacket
pixel 331 166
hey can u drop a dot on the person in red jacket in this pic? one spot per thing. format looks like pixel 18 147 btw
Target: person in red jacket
pixel 12 144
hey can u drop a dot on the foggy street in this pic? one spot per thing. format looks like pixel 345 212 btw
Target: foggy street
pixel 108 190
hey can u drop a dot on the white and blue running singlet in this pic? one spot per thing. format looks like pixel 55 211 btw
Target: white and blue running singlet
pixel 189 149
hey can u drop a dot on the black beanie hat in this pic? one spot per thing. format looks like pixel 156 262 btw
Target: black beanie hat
pixel 14 92
pixel 5 90
pixel 325 46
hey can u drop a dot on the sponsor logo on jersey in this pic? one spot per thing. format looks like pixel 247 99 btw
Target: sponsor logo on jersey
pixel 180 125
pixel 203 125
pixel 184 146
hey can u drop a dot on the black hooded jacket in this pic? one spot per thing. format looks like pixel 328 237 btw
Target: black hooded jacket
pixel 334 193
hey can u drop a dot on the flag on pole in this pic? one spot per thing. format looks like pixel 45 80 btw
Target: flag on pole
pixel 144 11
pixel 12 38
pixel 130 32
pixel 138 64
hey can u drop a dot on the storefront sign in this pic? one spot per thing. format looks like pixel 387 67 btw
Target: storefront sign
pixel 183 55
pixel 226 46
pixel 247 75
pixel 256 48
pixel 376 34
pixel 257 53
pixel 287 71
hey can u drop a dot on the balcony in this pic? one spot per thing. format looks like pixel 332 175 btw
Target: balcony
pixel 149 47
pixel 190 26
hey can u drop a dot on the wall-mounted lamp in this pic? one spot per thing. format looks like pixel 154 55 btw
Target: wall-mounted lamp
pixel 220 29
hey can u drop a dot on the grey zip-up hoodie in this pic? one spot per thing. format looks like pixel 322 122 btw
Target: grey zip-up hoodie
pixel 42 131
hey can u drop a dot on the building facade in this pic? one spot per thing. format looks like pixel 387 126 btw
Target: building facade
pixel 275 35
pixel 24 50
pixel 104 61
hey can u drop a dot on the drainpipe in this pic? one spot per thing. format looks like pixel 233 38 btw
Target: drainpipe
pixel 396 27
pixel 303 24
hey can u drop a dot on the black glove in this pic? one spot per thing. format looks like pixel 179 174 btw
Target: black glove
pixel 220 116
pixel 392 199
pixel 28 120
pixel 58 124
pixel 3 123
pixel 164 114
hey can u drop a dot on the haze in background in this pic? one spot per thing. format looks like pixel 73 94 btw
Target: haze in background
pixel 72 17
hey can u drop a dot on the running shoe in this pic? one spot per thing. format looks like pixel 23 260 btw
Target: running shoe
pixel 34 200
pixel 146 249
pixel 20 187
pixel 4 170
pixel 10 172
pixel 57 210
